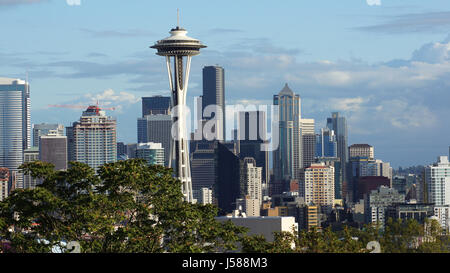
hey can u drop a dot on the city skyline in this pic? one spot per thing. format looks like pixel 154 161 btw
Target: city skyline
pixel 387 72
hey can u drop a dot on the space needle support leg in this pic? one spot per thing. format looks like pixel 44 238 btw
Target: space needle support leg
pixel 172 144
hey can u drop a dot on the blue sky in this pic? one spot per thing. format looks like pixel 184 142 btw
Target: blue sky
pixel 384 64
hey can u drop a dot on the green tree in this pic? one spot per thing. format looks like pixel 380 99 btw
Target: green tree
pixel 126 206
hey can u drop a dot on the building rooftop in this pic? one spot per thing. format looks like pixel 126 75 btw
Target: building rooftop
pixel 10 81
pixel 361 146
pixel 286 91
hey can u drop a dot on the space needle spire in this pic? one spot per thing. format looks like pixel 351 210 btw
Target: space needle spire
pixel 179 49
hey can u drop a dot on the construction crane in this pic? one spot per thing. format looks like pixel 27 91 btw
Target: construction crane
pixel 90 107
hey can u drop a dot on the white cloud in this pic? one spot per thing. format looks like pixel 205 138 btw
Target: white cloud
pixel 347 104
pixel 374 2
pixel 333 78
pixel 110 98
pixel 73 2
pixel 433 53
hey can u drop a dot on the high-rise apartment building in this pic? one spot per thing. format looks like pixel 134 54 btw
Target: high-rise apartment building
pixel 287 160
pixel 157 105
pixel 308 142
pixel 437 180
pixel 336 164
pixel 251 180
pixel 318 186
pixel 338 124
pixel 361 150
pixel 92 139
pixel 53 149
pixel 156 129
pixel 45 129
pixel 214 95
pixel 153 153
pixel 15 125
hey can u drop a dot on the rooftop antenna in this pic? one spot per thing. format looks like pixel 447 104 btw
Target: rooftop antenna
pixel 178 18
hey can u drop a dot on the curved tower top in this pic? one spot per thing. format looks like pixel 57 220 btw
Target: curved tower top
pixel 178 44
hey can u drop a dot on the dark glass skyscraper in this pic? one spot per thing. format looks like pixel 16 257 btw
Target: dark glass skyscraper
pixel 155 105
pixel 53 149
pixel 214 94
pixel 338 124
pixel 326 144
pixel 251 135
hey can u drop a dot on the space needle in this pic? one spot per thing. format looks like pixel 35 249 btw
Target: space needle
pixel 179 48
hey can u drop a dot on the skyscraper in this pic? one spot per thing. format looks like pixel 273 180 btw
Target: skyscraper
pixel 437 180
pixel 92 139
pixel 156 129
pixel 338 124
pixel 251 135
pixel 214 94
pixel 326 143
pixel 204 165
pixel 44 129
pixel 251 180
pixel 227 188
pixel 53 149
pixel 361 150
pixel 15 126
pixel 287 159
pixel 318 186
pixel 308 142
pixel 155 105
pixel 179 47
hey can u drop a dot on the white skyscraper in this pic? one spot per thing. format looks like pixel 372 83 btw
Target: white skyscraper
pixel 437 179
pixel 15 126
pixel 318 185
pixel 251 179
pixel 92 140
